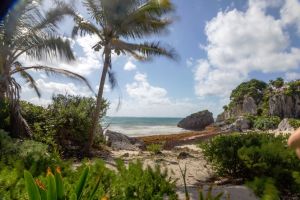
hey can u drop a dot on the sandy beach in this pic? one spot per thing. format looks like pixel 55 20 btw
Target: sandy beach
pixel 181 150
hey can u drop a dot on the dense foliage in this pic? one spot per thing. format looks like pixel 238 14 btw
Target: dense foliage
pixel 64 124
pixel 253 88
pixel 96 181
pixel 17 155
pixel 295 123
pixel 254 155
pixel 266 123
pixel 129 182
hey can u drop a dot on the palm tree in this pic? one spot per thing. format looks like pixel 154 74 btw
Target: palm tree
pixel 117 21
pixel 26 31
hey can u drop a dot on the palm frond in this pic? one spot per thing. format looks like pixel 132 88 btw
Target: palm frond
pixel 146 49
pixel 55 15
pixel 31 82
pixel 48 47
pixel 146 19
pixel 55 71
pixel 84 27
pixel 95 10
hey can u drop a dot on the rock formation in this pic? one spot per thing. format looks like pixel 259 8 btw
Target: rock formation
pixel 284 125
pixel 285 106
pixel 197 121
pixel 119 141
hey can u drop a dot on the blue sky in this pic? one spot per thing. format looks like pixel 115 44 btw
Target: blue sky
pixel 221 43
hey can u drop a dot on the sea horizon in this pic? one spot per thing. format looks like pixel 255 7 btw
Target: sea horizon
pixel 142 126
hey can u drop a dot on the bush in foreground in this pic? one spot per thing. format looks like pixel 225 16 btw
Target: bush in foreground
pixel 96 182
pixel 252 155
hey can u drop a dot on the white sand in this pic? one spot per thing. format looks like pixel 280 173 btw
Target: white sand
pixel 198 171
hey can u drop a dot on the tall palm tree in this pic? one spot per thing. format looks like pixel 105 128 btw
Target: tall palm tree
pixel 26 31
pixel 116 21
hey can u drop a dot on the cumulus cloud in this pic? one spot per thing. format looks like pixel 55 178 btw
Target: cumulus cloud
pixel 290 13
pixel 240 42
pixel 129 66
pixel 148 100
pixel 141 90
pixel 49 88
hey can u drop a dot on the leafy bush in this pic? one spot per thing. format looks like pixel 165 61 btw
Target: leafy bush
pixel 278 83
pixel 154 148
pixel 253 88
pixel 254 155
pixel 293 88
pixel 295 123
pixel 16 156
pixel 264 188
pixel 96 181
pixel 266 123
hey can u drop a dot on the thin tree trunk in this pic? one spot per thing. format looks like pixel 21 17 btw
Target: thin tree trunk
pixel 96 114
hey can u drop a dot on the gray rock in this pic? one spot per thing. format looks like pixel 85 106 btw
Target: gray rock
pixel 249 105
pixel 242 124
pixel 230 128
pixel 284 106
pixel 197 121
pixel 284 125
pixel 221 117
pixel 119 141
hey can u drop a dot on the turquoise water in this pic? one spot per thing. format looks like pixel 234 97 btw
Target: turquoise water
pixel 137 126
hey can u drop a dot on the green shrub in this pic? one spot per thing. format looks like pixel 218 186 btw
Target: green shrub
pixel 254 155
pixel 70 117
pixel 96 181
pixel 154 148
pixel 264 188
pixel 295 123
pixel 266 123
pixel 278 83
pixel 253 88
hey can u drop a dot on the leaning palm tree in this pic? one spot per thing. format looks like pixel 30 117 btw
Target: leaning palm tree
pixel 117 23
pixel 26 31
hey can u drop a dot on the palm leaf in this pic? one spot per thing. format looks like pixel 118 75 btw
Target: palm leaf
pixel 51 70
pixel 146 49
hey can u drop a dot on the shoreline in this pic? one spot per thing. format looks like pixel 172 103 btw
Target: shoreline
pixel 186 137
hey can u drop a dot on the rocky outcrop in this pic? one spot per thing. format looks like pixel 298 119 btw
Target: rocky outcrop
pixel 241 124
pixel 197 121
pixel 119 141
pixel 248 106
pixel 284 125
pixel 284 106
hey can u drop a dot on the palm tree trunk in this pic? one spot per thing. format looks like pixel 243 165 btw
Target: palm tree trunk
pixel 95 118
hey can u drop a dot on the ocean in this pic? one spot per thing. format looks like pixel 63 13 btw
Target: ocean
pixel 142 126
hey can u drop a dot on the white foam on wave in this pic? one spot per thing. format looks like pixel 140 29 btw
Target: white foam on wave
pixel 145 130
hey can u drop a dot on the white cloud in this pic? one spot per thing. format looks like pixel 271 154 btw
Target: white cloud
pixel 290 13
pixel 49 88
pixel 141 90
pixel 240 42
pixel 148 100
pixel 129 66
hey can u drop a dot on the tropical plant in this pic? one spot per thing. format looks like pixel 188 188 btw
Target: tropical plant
pixel 97 182
pixel 26 31
pixel 261 155
pixel 117 21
